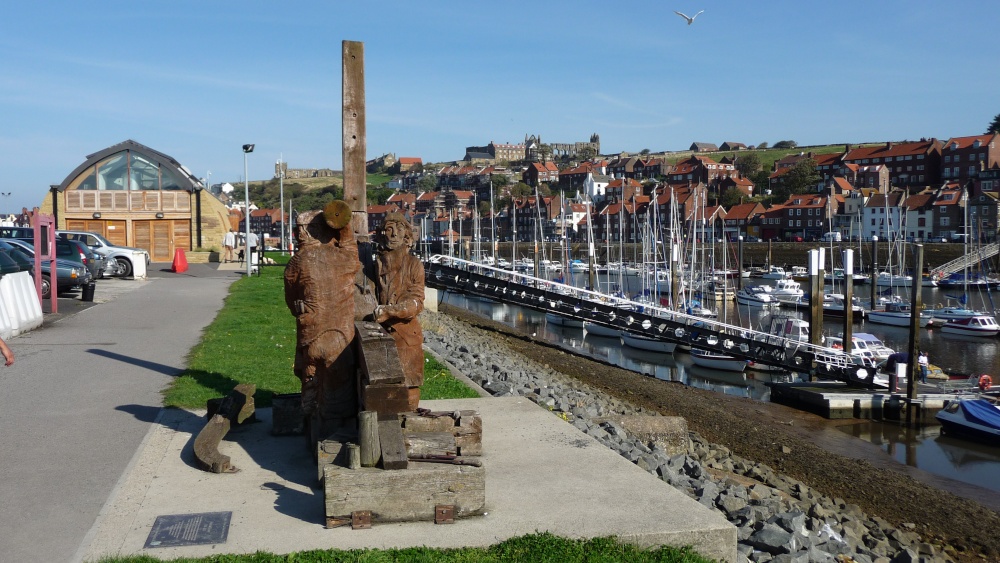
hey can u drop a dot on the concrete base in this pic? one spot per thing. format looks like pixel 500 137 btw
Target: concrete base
pixel 544 475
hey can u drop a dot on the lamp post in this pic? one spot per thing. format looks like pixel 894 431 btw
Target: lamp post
pixel 281 199
pixel 247 149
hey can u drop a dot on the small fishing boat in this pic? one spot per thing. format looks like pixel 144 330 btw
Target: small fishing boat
pixel 647 343
pixel 977 419
pixel 897 314
pixel 787 290
pixel 715 360
pixel 775 273
pixel 978 325
pixel 600 330
pixel 886 279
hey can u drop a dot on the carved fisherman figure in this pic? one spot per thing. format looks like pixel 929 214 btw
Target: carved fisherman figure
pixel 399 287
pixel 319 291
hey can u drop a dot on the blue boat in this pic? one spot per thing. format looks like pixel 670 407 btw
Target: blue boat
pixel 977 419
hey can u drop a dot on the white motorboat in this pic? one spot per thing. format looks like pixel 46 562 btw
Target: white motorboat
pixel 787 290
pixel 715 360
pixel 834 304
pixel 864 344
pixel 979 325
pixel 885 279
pixel 550 266
pixel 756 296
pixel 647 343
pixel 775 273
pixel 579 266
pixel 838 277
pixel 897 314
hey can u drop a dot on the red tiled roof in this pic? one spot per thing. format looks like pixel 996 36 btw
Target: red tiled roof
pixel 891 149
pixel 967 142
pixel 948 197
pixel 410 160
pixel 741 211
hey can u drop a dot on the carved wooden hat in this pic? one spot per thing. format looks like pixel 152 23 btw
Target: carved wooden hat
pixel 337 214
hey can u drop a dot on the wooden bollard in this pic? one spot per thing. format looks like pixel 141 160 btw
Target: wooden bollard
pixel 368 439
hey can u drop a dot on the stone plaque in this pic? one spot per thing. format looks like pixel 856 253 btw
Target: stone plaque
pixel 189 529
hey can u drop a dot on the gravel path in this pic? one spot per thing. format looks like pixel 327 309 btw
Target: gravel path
pixel 880 509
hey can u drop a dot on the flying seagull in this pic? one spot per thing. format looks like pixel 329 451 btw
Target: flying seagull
pixel 690 20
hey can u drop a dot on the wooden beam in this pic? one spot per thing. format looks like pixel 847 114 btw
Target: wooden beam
pixel 354 134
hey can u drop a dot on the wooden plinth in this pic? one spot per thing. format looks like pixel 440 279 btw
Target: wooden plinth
pixel 405 495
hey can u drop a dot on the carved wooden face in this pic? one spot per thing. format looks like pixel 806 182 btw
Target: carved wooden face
pixel 394 235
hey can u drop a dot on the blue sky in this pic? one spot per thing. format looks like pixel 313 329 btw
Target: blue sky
pixel 196 80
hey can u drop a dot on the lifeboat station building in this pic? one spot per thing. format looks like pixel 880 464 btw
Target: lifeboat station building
pixel 137 196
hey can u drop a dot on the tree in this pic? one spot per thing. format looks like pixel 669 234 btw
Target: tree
pixel 803 177
pixel 731 197
pixel 521 189
pixel 747 164
pixel 644 152
pixel 762 145
pixel 785 145
pixel 544 151
pixel 587 153
pixel 994 125
pixel 427 183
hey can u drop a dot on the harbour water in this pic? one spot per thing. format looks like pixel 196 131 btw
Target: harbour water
pixel 922 448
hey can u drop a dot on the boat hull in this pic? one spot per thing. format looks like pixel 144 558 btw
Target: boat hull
pixel 895 319
pixel 649 344
pixel 719 362
pixel 976 419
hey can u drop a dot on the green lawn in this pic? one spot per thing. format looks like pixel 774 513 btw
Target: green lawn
pixel 535 547
pixel 252 340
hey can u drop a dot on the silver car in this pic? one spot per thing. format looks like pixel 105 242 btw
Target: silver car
pixel 118 260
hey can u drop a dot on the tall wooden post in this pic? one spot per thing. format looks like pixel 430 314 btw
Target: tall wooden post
pixel 354 135
pixel 848 262
pixel 913 368
pixel 874 280
pixel 739 266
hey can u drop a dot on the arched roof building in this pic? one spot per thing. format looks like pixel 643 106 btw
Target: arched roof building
pixel 138 196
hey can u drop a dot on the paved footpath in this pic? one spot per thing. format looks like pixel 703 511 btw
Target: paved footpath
pixel 80 399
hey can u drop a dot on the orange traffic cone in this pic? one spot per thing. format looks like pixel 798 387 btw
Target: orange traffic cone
pixel 180 264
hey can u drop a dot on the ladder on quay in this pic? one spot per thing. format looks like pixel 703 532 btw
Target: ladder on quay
pixel 471 278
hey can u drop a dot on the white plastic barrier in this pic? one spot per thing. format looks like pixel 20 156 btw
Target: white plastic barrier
pixel 21 308
pixel 139 265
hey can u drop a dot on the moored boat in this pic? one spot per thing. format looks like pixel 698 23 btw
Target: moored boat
pixel 775 273
pixel 647 343
pixel 897 314
pixel 978 419
pixel 978 325
pixel 756 296
pixel 715 360
pixel 559 320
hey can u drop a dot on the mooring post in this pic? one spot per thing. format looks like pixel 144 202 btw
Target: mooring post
pixel 848 262
pixel 913 368
pixel 874 280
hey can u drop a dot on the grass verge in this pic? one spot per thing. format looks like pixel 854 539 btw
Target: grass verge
pixel 252 340
pixel 542 547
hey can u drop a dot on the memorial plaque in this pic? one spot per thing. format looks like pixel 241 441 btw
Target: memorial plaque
pixel 189 529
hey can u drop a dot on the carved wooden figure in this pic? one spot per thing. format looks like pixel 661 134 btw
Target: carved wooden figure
pixel 400 291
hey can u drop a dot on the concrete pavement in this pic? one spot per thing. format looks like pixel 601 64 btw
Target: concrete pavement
pixel 81 398
pixel 91 459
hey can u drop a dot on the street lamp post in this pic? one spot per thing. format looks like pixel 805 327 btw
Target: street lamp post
pixel 281 198
pixel 247 149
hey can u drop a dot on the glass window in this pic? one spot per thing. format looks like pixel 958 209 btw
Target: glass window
pixel 143 174
pixel 112 171
pixel 972 157
pixel 168 181
pixel 86 182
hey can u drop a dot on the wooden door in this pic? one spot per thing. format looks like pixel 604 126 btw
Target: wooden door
pixel 162 237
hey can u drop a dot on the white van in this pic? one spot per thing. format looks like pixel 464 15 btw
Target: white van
pixel 832 236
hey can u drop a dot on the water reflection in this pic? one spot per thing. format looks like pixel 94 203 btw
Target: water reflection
pixel 931 451
pixel 924 448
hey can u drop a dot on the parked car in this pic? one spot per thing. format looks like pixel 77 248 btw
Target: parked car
pixel 118 259
pixel 21 233
pixel 69 274
pixel 76 251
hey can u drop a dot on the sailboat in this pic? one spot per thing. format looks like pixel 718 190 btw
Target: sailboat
pixel 959 312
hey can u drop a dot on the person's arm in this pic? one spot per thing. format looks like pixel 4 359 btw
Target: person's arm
pixel 8 354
